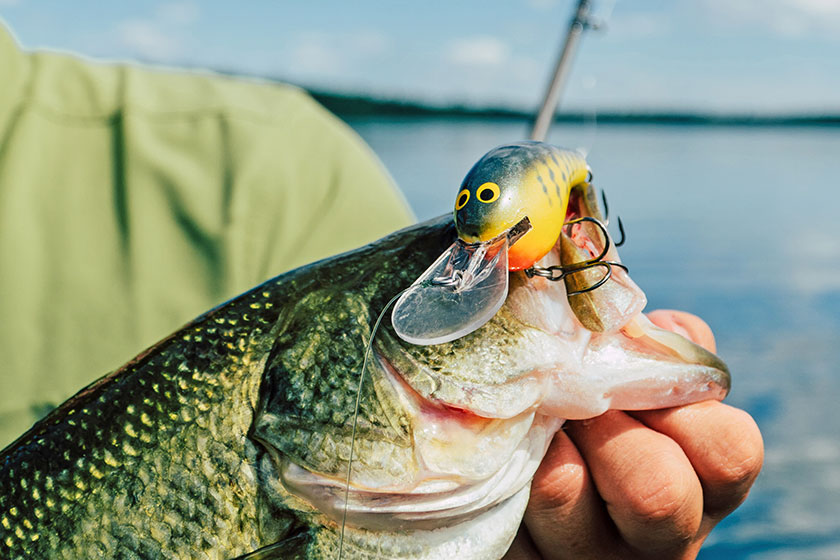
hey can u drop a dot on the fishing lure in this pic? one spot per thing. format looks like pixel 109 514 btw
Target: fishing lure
pixel 527 180
pixel 509 213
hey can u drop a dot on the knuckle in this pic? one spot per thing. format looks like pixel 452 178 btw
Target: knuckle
pixel 740 463
pixel 561 487
pixel 661 504
pixel 669 505
pixel 735 468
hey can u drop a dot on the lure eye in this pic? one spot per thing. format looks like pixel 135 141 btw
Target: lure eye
pixel 463 197
pixel 488 192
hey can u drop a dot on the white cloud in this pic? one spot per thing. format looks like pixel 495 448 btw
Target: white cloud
pixel 148 40
pixel 637 25
pixel 177 13
pixel 817 7
pixel 159 37
pixel 478 51
pixel 9 2
pixel 542 5
pixel 314 53
pixel 367 43
pixel 787 18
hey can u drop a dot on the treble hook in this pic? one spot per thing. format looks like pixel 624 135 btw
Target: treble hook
pixel 604 232
pixel 607 219
pixel 550 273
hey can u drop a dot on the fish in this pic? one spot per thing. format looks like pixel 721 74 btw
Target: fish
pixel 261 431
pixel 232 436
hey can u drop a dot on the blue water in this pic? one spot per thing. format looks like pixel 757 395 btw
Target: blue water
pixel 738 225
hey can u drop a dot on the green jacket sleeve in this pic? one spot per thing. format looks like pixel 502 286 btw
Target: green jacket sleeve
pixel 133 199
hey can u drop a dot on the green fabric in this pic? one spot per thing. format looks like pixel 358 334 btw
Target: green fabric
pixel 133 199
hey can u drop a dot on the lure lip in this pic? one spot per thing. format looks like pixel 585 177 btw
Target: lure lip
pixel 461 290
pixel 474 277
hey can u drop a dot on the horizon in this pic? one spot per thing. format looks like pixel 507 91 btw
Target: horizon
pixel 361 104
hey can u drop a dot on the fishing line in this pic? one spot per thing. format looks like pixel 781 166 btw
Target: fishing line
pixel 588 132
pixel 604 14
pixel 590 84
pixel 368 350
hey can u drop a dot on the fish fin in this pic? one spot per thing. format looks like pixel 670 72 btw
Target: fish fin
pixel 292 547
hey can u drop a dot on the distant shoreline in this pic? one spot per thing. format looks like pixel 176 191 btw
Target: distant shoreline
pixel 347 106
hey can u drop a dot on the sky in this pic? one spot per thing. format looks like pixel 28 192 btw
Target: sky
pixel 744 56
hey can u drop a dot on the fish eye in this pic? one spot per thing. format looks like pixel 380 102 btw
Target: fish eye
pixel 488 192
pixel 463 197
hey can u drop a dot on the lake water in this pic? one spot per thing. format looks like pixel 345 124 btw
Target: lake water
pixel 738 225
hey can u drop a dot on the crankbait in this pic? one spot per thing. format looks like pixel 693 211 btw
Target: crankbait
pixel 509 213
pixel 530 180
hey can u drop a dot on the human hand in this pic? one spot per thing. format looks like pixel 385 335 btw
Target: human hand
pixel 646 484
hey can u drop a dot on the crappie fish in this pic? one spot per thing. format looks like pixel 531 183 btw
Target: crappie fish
pixel 232 437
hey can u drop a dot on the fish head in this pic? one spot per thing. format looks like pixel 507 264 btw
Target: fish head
pixel 537 354
pixel 364 428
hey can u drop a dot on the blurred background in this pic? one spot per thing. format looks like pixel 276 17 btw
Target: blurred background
pixel 713 126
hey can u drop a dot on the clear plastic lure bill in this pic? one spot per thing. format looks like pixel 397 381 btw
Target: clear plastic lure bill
pixel 456 295
pixel 459 292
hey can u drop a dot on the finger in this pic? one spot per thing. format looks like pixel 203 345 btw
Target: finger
pixel 651 491
pixel 565 517
pixel 690 326
pixel 723 444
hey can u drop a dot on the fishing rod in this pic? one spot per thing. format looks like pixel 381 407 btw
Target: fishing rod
pixel 580 23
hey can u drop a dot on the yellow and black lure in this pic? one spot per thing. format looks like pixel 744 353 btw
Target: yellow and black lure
pixel 510 183
pixel 509 213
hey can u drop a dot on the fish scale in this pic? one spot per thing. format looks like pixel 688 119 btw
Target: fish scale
pixel 143 462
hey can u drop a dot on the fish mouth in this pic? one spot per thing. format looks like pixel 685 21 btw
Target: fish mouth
pixel 462 465
pixel 433 496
